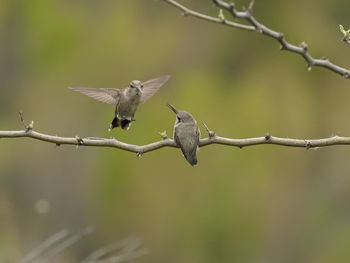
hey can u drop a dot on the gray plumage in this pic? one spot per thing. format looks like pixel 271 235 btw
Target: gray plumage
pixel 125 100
pixel 186 134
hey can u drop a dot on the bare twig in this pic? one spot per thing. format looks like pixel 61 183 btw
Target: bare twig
pixel 211 134
pixel 123 251
pixel 39 250
pixel 188 12
pixel 255 25
pixel 62 245
pixel 113 143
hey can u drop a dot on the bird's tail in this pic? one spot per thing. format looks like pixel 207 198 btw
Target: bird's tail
pixel 192 159
pixel 124 124
pixel 115 123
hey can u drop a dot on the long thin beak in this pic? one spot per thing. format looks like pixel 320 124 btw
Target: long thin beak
pixel 172 108
pixel 139 89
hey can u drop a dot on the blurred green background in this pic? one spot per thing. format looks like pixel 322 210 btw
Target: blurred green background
pixel 257 204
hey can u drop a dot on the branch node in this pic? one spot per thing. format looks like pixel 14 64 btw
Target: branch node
pixel 280 36
pixel 308 144
pixel 80 141
pixel 184 14
pixel 347 74
pixel 211 134
pixel 139 154
pixel 267 136
pixel 232 7
pixel 258 29
pixel 163 135
pixel 304 46
pixel 324 58
pixel 30 126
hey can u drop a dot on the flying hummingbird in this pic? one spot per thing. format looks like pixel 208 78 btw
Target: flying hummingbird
pixel 186 134
pixel 125 100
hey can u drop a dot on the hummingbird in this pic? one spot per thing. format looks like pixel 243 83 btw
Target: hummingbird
pixel 125 100
pixel 186 134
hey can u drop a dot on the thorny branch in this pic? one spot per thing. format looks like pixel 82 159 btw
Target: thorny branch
pixel 255 25
pixel 167 142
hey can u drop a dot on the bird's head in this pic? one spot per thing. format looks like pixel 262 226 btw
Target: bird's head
pixel 181 116
pixel 136 84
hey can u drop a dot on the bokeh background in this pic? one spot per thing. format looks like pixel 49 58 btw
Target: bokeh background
pixel 257 204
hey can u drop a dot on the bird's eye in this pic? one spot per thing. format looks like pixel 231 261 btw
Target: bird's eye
pixel 178 119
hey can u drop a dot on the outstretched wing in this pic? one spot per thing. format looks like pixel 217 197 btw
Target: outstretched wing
pixel 150 87
pixel 109 96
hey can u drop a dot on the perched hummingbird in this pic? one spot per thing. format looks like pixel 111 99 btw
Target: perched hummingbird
pixel 186 134
pixel 125 100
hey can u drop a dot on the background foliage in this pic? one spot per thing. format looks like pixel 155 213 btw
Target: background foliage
pixel 258 204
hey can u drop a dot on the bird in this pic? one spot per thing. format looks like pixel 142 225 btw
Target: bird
pixel 127 100
pixel 186 134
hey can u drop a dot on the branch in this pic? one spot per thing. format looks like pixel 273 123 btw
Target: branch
pixel 256 26
pixel 167 142
pixel 125 250
pixel 188 12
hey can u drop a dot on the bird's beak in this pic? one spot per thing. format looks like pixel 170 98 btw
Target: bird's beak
pixel 139 89
pixel 172 108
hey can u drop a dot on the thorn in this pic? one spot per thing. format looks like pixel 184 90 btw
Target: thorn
pixel 221 16
pixel 163 135
pixel 58 144
pixel 139 154
pixel 324 58
pixel 30 126
pixel 27 128
pixel 251 5
pixel 211 134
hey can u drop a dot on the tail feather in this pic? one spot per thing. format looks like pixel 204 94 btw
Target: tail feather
pixel 192 159
pixel 115 123
pixel 125 124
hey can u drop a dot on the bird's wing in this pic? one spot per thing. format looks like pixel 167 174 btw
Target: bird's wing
pixel 150 87
pixel 193 151
pixel 109 96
